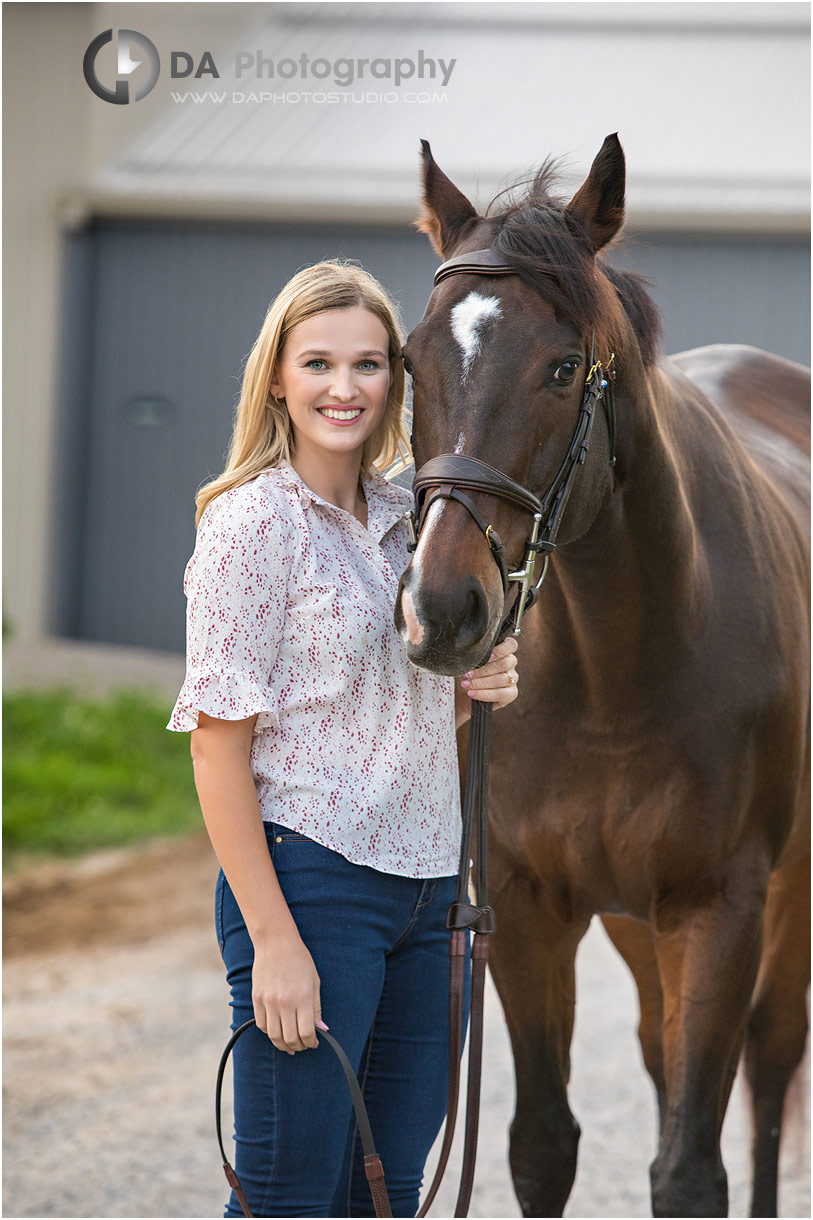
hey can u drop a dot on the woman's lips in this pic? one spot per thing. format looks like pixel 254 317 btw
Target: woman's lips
pixel 345 423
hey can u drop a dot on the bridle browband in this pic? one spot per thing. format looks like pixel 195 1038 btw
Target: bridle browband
pixel 445 475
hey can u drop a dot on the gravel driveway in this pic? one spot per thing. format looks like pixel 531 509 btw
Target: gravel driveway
pixel 116 1014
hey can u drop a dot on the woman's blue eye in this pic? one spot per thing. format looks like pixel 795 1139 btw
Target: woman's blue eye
pixel 316 360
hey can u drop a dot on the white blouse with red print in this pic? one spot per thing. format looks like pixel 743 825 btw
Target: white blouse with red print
pixel 290 605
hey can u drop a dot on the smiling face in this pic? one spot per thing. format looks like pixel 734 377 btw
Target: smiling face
pixel 334 374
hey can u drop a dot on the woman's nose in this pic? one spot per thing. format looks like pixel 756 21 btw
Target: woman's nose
pixel 343 385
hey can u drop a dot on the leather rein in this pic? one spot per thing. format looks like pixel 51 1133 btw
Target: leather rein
pixel 443 477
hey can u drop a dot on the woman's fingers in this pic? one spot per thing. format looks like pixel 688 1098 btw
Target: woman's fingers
pixel 286 996
pixel 502 675
pixel 306 1026
pixel 287 1026
pixel 270 1024
pixel 292 1027
pixel 290 1030
pixel 502 656
pixel 316 1010
pixel 504 696
pixel 496 681
pixel 500 671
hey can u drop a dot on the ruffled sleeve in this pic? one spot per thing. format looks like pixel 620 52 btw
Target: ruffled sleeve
pixel 236 588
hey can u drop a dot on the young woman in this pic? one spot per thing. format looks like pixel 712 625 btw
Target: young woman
pixel 324 761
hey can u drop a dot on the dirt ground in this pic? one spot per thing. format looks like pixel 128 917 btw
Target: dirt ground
pixel 116 1014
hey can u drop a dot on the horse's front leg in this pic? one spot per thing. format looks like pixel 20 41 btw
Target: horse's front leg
pixel 708 947
pixel 532 959
pixel 777 1026
pixel 633 940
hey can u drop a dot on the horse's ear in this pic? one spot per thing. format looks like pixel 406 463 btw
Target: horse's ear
pixel 446 209
pixel 598 206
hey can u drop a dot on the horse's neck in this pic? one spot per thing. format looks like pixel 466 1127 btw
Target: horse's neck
pixel 628 596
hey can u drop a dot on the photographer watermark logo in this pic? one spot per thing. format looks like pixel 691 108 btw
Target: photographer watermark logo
pixel 125 66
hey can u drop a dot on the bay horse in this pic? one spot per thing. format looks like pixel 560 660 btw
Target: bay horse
pixel 654 769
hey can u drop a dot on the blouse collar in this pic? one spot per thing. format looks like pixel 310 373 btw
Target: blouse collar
pixel 385 500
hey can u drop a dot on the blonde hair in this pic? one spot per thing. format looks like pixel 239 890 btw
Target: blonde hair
pixel 262 427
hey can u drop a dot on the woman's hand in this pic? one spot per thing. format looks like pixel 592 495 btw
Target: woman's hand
pixel 496 681
pixel 285 991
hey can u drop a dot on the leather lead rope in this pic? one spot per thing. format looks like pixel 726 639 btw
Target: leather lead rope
pixel 372 1162
pixel 479 918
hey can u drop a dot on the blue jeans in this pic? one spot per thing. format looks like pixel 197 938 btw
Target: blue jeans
pixel 381 948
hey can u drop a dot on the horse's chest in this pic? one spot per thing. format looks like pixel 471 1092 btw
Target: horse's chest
pixel 590 817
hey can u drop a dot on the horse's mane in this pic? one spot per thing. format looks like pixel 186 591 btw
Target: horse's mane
pixel 540 239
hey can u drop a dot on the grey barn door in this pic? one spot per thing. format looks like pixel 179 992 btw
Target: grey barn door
pixel 160 319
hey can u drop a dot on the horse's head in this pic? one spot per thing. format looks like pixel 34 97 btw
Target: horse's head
pixel 499 364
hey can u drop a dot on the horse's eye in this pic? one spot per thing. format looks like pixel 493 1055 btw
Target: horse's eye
pixel 565 372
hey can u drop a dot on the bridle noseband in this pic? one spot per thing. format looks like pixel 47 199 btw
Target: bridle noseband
pixel 449 472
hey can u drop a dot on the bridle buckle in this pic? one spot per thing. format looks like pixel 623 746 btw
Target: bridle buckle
pixel 525 574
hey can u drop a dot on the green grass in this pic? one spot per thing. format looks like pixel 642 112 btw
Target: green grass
pixel 81 774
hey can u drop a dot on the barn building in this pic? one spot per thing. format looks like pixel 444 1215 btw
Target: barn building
pixel 143 242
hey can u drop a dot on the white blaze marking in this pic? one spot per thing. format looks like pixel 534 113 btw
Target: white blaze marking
pixel 411 611
pixel 461 440
pixel 414 627
pixel 469 318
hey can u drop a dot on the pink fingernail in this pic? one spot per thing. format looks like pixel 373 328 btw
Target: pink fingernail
pixel 321 1025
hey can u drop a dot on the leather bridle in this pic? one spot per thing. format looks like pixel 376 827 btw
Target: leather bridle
pixel 445 475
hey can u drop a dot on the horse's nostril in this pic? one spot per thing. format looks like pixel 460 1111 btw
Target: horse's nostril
pixel 473 622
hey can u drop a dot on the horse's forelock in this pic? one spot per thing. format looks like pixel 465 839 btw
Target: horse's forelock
pixel 537 237
pixel 541 189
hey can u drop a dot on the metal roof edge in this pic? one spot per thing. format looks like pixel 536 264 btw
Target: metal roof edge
pixel 77 210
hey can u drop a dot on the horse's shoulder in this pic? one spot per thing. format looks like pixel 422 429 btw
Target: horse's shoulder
pixel 752 387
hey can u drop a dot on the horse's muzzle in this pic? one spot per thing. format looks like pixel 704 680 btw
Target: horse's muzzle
pixel 445 629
